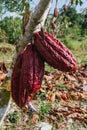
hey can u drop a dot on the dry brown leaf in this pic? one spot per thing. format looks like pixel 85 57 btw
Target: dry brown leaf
pixel 83 95
pixel 62 124
pixel 65 96
pixel 52 117
pixel 59 95
pixel 48 77
pixel 74 95
pixel 35 119
pixel 78 116
pixel 51 96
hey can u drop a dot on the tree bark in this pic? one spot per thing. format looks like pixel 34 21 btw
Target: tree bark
pixel 34 24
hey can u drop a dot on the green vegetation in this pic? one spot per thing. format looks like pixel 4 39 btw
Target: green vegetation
pixel 12 117
pixel 14 6
pixel 4 98
pixel 10 29
pixel 71 28
pixel 44 108
pixel 7 53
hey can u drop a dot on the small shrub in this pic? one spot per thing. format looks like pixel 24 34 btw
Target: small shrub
pixel 12 117
pixel 44 108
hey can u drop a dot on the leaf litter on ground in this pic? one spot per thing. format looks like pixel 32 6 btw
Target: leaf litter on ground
pixel 66 93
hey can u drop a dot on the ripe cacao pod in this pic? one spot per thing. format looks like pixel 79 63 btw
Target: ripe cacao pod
pixel 56 12
pixel 15 85
pixel 54 52
pixel 27 76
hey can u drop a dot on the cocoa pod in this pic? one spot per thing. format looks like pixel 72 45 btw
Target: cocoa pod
pixel 56 12
pixel 26 82
pixel 54 52
pixel 15 84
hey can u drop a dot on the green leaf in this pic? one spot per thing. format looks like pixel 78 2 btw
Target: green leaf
pixel 77 2
pixel 80 2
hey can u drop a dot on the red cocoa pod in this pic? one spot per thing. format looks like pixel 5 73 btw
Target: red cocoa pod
pixel 30 78
pixel 56 12
pixel 54 52
pixel 15 84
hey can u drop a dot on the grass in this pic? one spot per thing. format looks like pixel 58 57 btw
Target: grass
pixel 73 44
pixel 81 56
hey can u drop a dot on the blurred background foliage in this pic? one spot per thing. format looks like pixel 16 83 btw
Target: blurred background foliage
pixel 71 26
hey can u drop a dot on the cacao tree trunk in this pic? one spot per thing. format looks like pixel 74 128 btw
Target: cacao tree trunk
pixel 34 24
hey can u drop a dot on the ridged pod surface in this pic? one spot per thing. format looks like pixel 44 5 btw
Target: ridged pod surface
pixel 54 52
pixel 27 76
pixel 15 80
